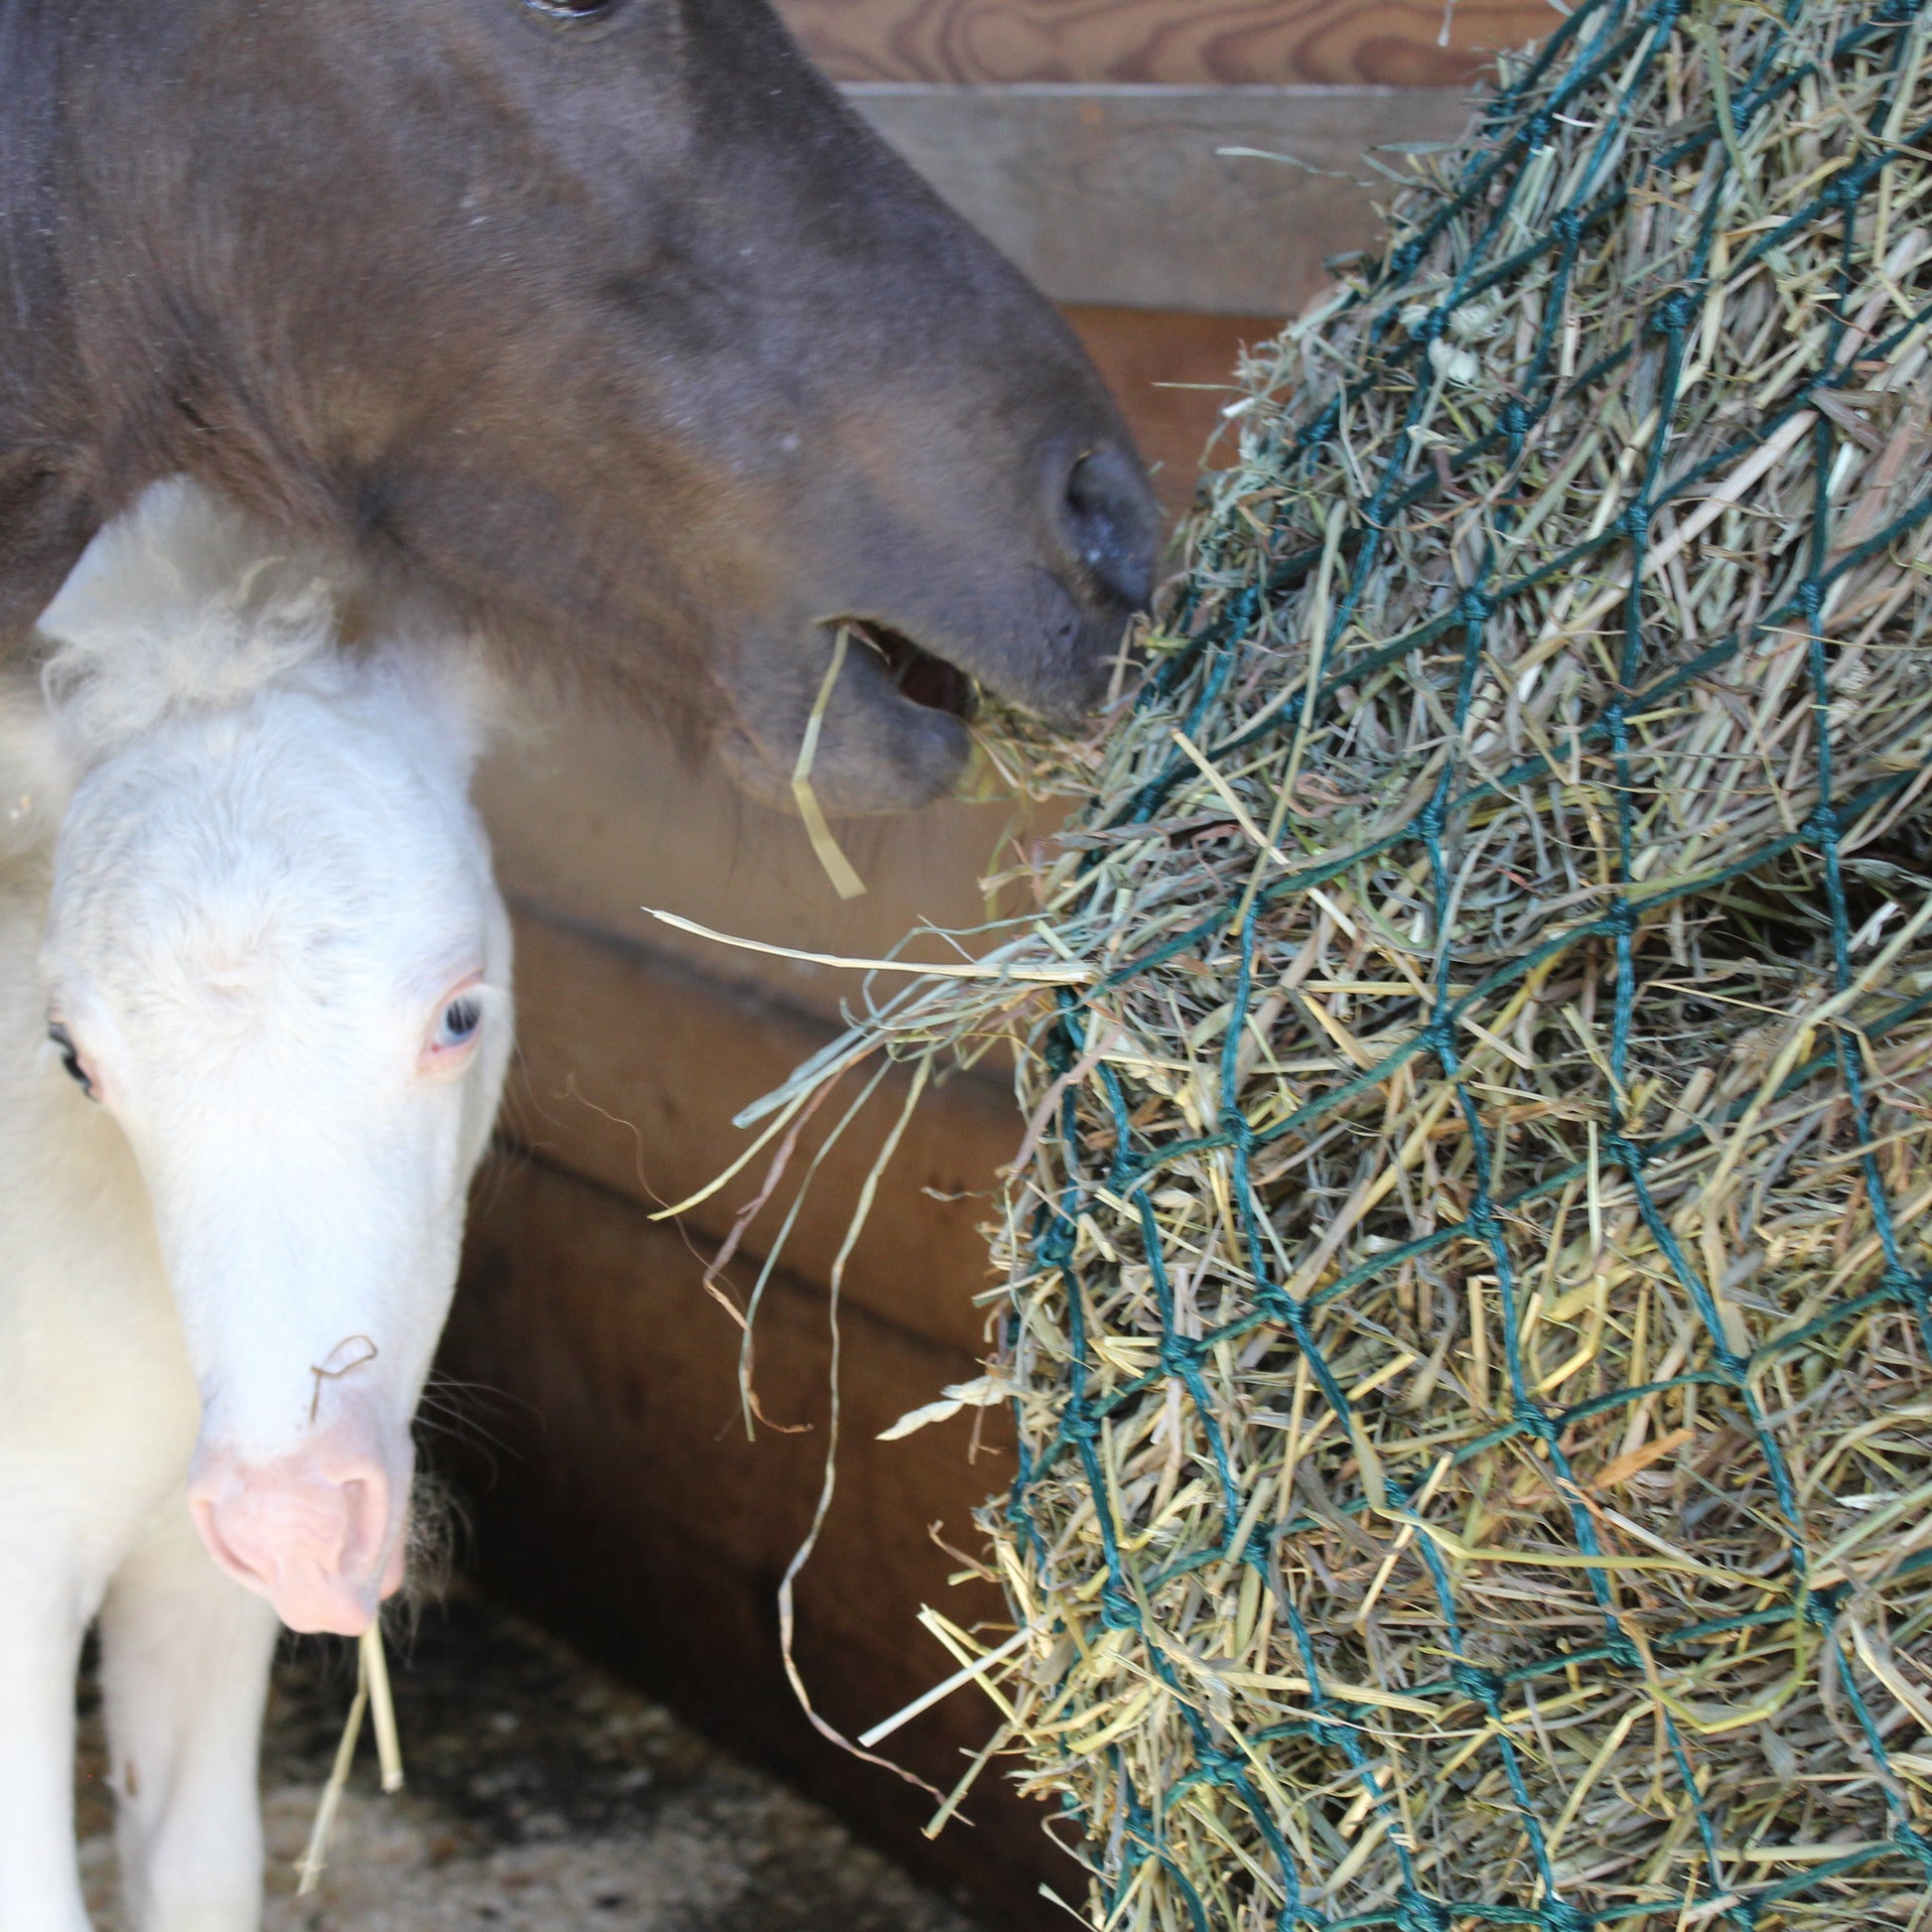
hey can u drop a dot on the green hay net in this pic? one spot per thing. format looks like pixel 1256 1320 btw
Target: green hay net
pixel 1465 1309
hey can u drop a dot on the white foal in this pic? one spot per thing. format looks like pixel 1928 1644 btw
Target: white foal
pixel 254 1017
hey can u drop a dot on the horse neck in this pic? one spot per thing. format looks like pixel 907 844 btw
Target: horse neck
pixel 31 298
pixel 69 453
pixel 45 519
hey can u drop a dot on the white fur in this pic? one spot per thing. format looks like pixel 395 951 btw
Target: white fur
pixel 266 874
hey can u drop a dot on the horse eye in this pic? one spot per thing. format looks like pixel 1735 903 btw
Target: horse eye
pixel 572 9
pixel 70 1058
pixel 460 1020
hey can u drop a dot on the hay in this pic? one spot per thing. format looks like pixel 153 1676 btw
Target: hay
pixel 373 1693
pixel 1463 1278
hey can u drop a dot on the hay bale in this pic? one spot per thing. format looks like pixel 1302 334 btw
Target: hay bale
pixel 1465 1286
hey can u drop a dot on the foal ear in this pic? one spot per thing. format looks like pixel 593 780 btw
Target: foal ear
pixel 180 603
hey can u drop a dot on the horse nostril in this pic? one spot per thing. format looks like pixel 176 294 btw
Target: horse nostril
pixel 1111 523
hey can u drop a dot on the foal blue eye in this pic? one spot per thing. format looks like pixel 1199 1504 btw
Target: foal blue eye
pixel 460 1020
pixel 71 1057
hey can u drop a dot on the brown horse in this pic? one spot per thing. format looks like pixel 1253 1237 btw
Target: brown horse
pixel 602 326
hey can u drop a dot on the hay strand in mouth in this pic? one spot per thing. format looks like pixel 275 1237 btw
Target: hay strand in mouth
pixel 314 1859
pixel 838 868
pixel 382 1706
pixel 1467 1284
pixel 371 1691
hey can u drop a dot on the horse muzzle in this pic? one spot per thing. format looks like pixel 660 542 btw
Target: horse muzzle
pixel 320 1532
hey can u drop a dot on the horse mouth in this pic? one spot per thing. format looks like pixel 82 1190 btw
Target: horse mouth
pixel 916 674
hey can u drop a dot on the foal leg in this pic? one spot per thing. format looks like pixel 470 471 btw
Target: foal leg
pixel 44 1613
pixel 184 1657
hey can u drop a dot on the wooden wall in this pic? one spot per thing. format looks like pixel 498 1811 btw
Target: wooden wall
pixel 618 1497
pixel 1216 201
pixel 611 1486
pixel 609 1481
pixel 1178 43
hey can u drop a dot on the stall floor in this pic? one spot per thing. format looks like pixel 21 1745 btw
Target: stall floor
pixel 543 1796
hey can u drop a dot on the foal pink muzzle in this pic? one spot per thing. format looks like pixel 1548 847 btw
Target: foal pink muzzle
pixel 314 1532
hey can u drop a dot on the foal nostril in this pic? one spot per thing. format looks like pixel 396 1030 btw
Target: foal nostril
pixel 314 1540
pixel 1110 522
pixel 243 1569
pixel 365 1514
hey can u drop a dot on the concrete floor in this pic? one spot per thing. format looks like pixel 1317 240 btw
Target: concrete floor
pixel 542 1797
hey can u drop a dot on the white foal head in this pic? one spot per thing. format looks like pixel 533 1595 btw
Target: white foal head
pixel 276 955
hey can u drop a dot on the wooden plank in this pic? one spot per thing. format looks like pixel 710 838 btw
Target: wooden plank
pixel 1184 43
pixel 1130 197
pixel 612 1494
pixel 630 1070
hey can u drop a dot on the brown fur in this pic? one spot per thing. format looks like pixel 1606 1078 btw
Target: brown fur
pixel 621 338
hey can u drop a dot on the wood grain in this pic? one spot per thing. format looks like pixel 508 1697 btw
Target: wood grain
pixel 618 1500
pixel 1185 43
pixel 1163 197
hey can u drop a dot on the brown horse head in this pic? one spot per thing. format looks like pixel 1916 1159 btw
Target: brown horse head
pixel 604 322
